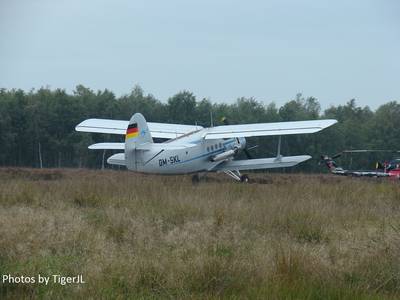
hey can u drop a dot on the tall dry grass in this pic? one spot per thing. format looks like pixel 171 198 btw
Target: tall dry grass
pixel 136 236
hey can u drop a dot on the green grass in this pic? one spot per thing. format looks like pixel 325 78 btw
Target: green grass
pixel 151 237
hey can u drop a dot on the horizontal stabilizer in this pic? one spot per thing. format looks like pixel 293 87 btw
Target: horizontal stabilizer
pixel 107 146
pixel 262 163
pixel 157 130
pixel 267 129
pixel 117 159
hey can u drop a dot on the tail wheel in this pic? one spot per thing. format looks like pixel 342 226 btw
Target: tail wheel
pixel 244 178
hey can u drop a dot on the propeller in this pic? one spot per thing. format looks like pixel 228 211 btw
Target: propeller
pixel 247 150
pixel 252 147
pixel 248 155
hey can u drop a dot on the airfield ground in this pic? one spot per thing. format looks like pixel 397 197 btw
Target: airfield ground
pixel 135 236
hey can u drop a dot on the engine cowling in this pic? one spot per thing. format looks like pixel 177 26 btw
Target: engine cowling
pixel 224 155
pixel 241 142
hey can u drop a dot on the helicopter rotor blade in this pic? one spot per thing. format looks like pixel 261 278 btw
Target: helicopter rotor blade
pixel 368 150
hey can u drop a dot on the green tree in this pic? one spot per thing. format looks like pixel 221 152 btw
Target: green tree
pixel 137 101
pixel 204 108
pixel 384 131
pixel 181 108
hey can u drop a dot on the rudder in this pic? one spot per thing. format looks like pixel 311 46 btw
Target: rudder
pixel 137 134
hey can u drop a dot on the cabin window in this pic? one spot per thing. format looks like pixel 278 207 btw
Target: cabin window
pixel 208 149
pixel 216 146
pixel 212 148
pixel 220 145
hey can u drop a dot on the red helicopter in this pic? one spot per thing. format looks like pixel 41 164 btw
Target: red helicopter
pixel 387 168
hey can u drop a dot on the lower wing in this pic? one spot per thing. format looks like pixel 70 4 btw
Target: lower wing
pixel 247 164
pixel 262 163
pixel 158 130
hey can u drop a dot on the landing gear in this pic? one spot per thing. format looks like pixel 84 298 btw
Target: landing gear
pixel 244 178
pixel 196 179
pixel 237 176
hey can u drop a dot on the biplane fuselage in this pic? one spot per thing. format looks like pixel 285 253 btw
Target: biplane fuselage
pixel 187 154
pixel 194 149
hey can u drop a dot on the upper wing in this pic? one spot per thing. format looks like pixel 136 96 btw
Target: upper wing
pixel 145 146
pixel 170 131
pixel 261 163
pixel 263 129
pixel 158 130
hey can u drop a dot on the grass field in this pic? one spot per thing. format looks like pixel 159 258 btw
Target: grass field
pixel 136 236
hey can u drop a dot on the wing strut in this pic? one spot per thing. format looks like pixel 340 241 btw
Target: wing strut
pixel 278 152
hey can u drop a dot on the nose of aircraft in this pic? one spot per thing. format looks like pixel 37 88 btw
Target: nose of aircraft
pixel 241 142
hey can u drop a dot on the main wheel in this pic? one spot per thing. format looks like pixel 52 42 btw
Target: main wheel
pixel 244 178
pixel 195 179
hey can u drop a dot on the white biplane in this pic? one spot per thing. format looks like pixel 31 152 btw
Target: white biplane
pixel 194 149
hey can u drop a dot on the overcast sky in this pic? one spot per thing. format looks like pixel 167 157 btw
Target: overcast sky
pixel 271 50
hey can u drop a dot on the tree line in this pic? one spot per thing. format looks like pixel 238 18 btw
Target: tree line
pixel 37 127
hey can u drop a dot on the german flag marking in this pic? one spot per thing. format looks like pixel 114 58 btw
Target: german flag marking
pixel 132 131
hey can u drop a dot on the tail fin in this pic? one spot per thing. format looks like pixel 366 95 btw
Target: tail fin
pixel 329 162
pixel 137 134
